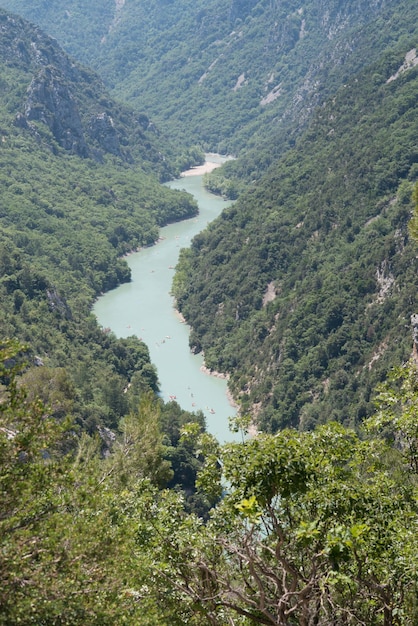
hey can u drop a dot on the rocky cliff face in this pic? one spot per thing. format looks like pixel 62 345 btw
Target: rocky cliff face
pixel 49 100
pixel 23 45
pixel 69 100
pixel 101 128
pixel 258 62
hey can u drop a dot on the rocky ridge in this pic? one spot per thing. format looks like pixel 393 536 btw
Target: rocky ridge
pixel 68 103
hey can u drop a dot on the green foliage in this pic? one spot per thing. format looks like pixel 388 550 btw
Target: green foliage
pixel 303 290
pixel 53 568
pixel 219 183
pixel 413 224
pixel 314 528
pixel 70 518
pixel 184 461
pixel 139 452
pixel 189 157
pixel 396 415
pixel 65 222
pixel 228 75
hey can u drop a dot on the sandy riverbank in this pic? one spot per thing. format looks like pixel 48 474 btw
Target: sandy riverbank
pixel 213 160
pixel 208 166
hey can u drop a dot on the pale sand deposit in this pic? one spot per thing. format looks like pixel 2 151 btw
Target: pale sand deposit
pixel 208 166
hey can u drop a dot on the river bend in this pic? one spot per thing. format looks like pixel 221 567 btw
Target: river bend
pixel 145 308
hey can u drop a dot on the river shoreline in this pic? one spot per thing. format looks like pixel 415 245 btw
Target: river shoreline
pixel 144 307
pixel 206 370
pixel 222 376
pixel 206 167
pixel 198 170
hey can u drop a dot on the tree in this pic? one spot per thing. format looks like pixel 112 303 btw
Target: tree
pixel 66 528
pixel 314 529
pixel 139 452
pixel 413 224
pixel 396 418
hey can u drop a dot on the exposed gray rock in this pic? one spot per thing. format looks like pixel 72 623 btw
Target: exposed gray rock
pixel 102 130
pixel 21 121
pixel 64 104
pixel 24 45
pixel 49 101
pixel 58 304
pixel 108 437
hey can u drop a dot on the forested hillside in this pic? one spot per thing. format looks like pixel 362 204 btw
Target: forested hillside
pixel 115 507
pixel 304 289
pixel 79 189
pixel 315 528
pixel 225 74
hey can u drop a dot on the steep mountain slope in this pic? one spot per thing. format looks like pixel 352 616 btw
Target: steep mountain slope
pixel 226 74
pixel 77 193
pixel 71 103
pixel 309 307
pixel 303 290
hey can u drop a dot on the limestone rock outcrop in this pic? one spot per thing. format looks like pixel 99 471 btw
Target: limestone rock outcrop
pixel 49 100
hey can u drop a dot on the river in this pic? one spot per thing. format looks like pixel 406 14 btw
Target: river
pixel 145 308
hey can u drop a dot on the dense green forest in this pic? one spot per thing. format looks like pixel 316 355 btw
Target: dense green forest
pixel 115 507
pixel 304 289
pixel 225 74
pixel 73 202
pixel 331 114
pixel 314 528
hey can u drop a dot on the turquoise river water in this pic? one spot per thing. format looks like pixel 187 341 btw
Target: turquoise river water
pixel 145 308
